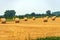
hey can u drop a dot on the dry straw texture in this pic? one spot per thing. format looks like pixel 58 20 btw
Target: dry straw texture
pixel 45 19
pixel 3 20
pixel 25 19
pixel 33 18
pixel 53 18
pixel 16 20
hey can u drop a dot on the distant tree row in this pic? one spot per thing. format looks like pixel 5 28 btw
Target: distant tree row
pixel 9 14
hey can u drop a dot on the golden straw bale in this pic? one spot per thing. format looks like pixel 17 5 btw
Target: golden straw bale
pixel 53 18
pixel 33 18
pixel 25 19
pixel 45 19
pixel 16 20
pixel 3 20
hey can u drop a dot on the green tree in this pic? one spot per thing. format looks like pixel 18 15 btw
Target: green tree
pixel 33 14
pixel 9 14
pixel 48 12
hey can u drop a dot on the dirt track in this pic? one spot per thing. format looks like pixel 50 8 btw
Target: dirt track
pixel 29 29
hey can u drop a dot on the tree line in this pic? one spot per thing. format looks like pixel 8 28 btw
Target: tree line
pixel 9 14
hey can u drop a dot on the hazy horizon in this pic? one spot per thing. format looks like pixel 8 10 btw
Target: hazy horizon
pixel 27 6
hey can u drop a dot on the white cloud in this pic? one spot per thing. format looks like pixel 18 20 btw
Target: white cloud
pixel 28 6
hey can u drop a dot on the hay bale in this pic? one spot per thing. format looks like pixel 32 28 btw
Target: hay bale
pixel 46 19
pixel 25 19
pixel 33 18
pixel 53 18
pixel 16 20
pixel 3 20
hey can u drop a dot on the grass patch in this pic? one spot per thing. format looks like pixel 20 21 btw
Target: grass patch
pixel 48 38
pixel 9 19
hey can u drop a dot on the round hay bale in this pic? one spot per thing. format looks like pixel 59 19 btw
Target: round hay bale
pixel 16 20
pixel 3 20
pixel 46 19
pixel 25 19
pixel 53 18
pixel 33 18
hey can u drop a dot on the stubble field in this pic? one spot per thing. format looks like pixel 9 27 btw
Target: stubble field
pixel 31 29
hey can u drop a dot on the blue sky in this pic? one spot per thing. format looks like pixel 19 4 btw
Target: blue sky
pixel 27 6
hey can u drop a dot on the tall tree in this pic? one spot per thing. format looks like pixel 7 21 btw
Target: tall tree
pixel 9 13
pixel 48 12
pixel 33 14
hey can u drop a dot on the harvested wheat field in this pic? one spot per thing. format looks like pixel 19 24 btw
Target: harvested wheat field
pixel 30 29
